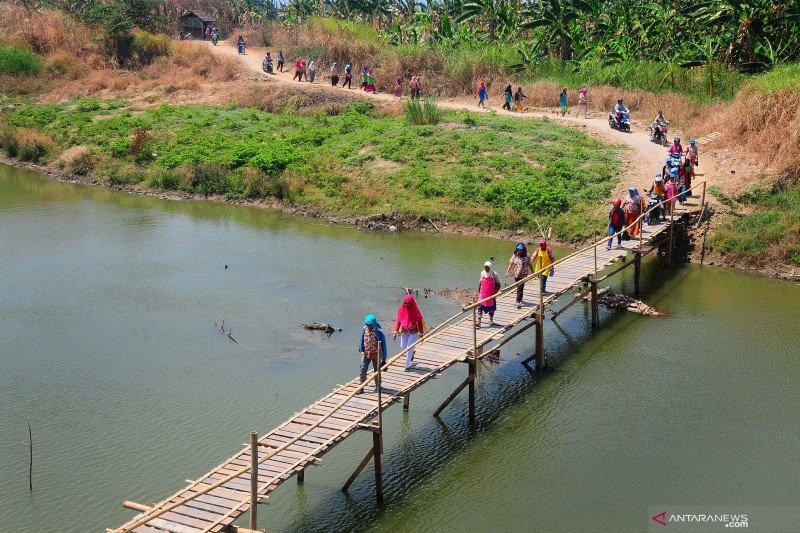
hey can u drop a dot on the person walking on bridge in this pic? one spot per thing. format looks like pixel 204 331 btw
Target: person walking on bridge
pixel 520 262
pixel 372 346
pixel 410 326
pixel 542 259
pixel 488 285
pixel 616 221
pixel 632 205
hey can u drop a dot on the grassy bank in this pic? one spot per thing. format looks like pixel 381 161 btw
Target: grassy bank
pixel 764 227
pixel 476 169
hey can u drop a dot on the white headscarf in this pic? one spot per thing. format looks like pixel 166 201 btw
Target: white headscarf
pixel 485 274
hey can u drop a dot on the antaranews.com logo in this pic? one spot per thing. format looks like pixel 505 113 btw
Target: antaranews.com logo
pixel 725 519
pixel 696 519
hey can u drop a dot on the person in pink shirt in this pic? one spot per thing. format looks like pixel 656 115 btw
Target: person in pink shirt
pixel 675 147
pixel 409 325
pixel 488 285
pixel 672 193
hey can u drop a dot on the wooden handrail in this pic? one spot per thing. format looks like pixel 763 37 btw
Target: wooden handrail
pixel 573 254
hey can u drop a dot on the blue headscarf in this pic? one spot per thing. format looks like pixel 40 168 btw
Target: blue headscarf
pixel 372 321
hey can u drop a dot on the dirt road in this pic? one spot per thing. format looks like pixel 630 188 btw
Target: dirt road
pixel 642 163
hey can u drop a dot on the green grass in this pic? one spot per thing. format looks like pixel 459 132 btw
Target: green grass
pixel 18 61
pixel 770 231
pixel 473 168
pixel 423 113
pixel 781 78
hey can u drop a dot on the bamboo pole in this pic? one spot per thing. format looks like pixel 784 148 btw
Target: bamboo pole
pixel 379 386
pixel 253 480
pixel 30 460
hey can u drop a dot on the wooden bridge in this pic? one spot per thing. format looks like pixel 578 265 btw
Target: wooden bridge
pixel 213 501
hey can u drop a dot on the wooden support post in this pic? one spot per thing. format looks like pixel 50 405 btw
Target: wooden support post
pixel 406 401
pixel 364 462
pixel 301 476
pixel 595 307
pixel 637 272
pixel 703 201
pixel 670 234
pixel 253 480
pixel 541 361
pixel 595 254
pixel 378 386
pixel 473 363
pixel 376 456
pixel 452 396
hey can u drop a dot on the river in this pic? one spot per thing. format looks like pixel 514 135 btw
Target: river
pixel 108 347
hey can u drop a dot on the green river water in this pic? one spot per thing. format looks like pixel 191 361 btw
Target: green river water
pixel 108 348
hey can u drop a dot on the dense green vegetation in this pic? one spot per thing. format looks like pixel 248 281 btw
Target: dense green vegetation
pixel 692 47
pixel 476 169
pixel 18 61
pixel 769 230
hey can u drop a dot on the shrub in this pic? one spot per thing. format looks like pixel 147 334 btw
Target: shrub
pixel 9 143
pixel 18 61
pixel 64 64
pixel 274 157
pixel 82 163
pixel 426 112
pixel 148 47
pixel 208 179
pixel 32 145
pixel 260 185
pixel 141 146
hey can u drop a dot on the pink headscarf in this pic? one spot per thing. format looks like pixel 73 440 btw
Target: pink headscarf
pixel 409 314
pixel 583 91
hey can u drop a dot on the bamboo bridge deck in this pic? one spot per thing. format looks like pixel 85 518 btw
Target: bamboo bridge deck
pixel 213 501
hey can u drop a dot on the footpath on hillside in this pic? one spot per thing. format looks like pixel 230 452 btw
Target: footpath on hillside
pixel 650 155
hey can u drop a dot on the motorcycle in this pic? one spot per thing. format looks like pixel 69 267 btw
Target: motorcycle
pixel 266 66
pixel 240 48
pixel 619 121
pixel 674 160
pixel 656 214
pixel 214 39
pixel 658 134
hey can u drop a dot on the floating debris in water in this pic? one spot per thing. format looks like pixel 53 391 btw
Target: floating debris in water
pixel 320 326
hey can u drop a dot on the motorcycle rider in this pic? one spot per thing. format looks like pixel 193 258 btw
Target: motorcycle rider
pixel 240 44
pixel 675 147
pixel 659 124
pixel 619 110
pixel 658 186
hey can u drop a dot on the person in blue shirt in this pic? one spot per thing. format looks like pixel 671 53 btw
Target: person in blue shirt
pixel 373 344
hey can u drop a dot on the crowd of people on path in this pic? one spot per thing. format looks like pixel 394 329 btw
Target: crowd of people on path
pixel 410 326
pixel 670 186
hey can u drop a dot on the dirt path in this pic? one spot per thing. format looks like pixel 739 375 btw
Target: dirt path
pixel 642 163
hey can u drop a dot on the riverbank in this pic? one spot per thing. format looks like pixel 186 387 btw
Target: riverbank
pixel 360 163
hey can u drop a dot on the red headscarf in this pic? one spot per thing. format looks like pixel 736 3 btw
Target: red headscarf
pixel 409 314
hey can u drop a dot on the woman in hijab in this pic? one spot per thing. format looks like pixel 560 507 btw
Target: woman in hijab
pixel 398 87
pixel 632 205
pixel 542 259
pixel 509 94
pixel 409 325
pixel 334 74
pixel 521 263
pixel 488 285
pixel 370 87
pixel 583 103
pixel 373 344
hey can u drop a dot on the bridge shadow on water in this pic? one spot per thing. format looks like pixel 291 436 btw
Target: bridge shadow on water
pixel 414 452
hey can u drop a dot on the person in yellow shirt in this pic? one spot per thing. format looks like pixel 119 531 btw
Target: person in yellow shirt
pixel 543 258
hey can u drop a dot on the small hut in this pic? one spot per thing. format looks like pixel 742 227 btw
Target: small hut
pixel 195 23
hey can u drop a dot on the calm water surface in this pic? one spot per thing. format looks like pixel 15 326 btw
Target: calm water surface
pixel 108 348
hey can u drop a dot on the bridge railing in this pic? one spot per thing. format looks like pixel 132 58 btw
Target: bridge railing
pixel 156 512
